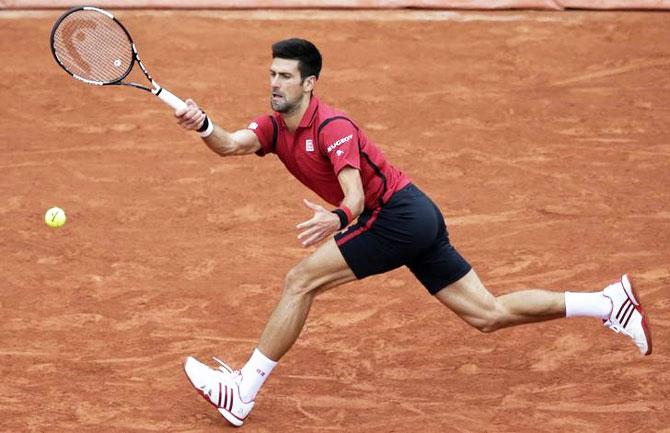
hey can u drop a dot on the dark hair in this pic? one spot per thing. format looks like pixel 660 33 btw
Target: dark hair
pixel 307 55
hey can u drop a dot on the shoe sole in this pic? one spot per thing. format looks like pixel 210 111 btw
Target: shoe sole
pixel 638 305
pixel 232 419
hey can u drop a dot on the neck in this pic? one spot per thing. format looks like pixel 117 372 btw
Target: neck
pixel 293 118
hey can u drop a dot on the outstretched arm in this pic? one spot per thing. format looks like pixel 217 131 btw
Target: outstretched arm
pixel 220 141
pixel 324 222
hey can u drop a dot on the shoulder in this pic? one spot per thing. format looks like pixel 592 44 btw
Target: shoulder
pixel 332 119
pixel 336 123
pixel 266 129
pixel 267 125
pixel 262 121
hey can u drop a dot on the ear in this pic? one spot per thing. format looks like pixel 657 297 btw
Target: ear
pixel 309 83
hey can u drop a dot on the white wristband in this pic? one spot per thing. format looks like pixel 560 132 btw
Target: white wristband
pixel 210 128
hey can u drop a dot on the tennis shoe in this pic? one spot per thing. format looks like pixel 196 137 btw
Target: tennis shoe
pixel 627 316
pixel 221 388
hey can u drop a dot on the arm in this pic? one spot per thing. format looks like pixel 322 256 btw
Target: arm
pixel 352 186
pixel 220 141
pixel 324 222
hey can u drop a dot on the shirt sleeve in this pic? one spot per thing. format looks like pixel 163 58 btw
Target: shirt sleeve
pixel 266 131
pixel 339 142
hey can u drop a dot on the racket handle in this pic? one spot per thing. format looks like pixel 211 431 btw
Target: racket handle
pixel 173 101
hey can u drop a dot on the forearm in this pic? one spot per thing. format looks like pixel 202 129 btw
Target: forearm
pixel 355 202
pixel 221 142
pixel 354 196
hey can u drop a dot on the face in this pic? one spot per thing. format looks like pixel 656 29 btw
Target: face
pixel 287 87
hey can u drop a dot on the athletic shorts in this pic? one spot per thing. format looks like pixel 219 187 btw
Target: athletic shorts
pixel 409 231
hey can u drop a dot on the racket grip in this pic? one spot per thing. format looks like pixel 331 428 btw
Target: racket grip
pixel 173 101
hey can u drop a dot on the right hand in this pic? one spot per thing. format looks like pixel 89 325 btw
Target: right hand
pixel 191 117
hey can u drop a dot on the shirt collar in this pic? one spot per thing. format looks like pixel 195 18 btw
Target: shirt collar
pixel 308 117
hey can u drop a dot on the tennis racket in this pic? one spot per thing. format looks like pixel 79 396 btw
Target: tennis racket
pixel 94 47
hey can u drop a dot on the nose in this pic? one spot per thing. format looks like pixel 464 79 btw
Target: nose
pixel 274 82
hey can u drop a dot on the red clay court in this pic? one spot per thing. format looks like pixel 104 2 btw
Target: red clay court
pixel 543 136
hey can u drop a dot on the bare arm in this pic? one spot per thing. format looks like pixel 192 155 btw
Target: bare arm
pixel 222 142
pixel 352 186
pixel 324 222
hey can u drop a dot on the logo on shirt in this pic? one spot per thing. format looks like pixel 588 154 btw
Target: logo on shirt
pixel 309 145
pixel 340 142
pixel 339 152
pixel 253 125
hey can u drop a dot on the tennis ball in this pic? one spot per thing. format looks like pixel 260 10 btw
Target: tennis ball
pixel 55 217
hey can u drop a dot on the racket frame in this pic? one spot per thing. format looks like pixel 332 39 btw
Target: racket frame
pixel 156 89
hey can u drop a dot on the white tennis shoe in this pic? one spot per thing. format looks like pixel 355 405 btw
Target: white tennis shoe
pixel 220 387
pixel 627 316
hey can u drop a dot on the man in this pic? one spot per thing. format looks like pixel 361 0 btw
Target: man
pixel 381 221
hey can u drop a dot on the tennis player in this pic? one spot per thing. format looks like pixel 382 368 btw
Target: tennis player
pixel 378 221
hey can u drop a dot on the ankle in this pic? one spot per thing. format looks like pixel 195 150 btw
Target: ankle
pixel 254 374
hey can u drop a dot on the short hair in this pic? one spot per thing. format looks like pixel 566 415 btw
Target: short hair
pixel 305 52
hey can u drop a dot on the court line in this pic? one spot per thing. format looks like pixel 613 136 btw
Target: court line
pixel 23 353
pixel 612 71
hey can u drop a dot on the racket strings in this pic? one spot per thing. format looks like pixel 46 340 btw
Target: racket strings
pixel 93 46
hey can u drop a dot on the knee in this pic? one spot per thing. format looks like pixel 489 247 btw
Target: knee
pixel 297 283
pixel 487 326
pixel 489 320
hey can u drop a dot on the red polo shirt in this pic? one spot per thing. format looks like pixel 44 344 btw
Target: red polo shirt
pixel 325 142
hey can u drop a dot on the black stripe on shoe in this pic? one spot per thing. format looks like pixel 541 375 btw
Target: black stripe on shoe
pixel 628 315
pixel 621 309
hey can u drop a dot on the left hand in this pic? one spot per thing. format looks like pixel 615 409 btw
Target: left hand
pixel 323 224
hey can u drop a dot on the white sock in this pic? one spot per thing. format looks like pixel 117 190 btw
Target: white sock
pixel 593 304
pixel 254 374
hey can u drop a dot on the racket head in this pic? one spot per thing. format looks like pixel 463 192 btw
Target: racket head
pixel 91 45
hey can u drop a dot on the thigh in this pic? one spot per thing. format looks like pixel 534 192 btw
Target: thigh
pixel 468 298
pixel 367 253
pixel 323 269
pixel 440 266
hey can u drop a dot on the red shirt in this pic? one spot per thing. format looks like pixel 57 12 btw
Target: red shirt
pixel 325 142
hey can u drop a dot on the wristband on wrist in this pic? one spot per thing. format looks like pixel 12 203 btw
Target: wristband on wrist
pixel 345 215
pixel 206 128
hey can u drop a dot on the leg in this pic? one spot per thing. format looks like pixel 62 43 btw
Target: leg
pixel 234 393
pixel 469 299
pixel 322 270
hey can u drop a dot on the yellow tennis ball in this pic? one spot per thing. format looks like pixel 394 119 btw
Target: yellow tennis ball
pixel 55 217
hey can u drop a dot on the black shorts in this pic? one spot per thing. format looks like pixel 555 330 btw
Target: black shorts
pixel 409 231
